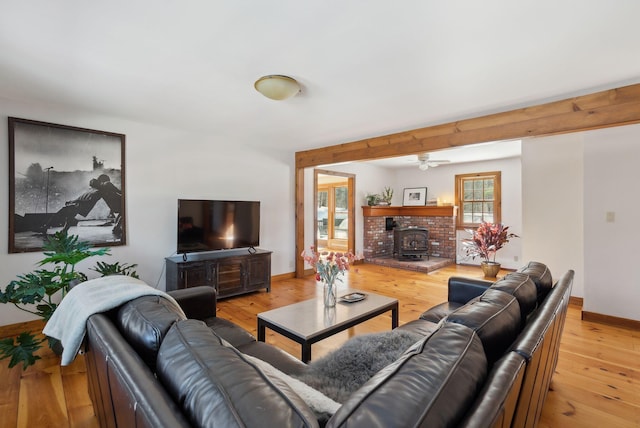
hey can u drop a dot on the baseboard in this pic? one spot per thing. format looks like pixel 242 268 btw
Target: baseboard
pixel 281 276
pixel 576 301
pixel 610 320
pixel 13 330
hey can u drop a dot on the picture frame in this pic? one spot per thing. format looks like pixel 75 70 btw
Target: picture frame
pixel 414 196
pixel 65 178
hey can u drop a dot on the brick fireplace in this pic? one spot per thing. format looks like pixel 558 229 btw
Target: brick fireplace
pixel 440 221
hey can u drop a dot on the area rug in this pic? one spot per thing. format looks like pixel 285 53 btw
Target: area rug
pixel 343 371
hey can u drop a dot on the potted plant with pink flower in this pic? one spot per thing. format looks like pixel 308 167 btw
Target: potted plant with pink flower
pixel 485 242
pixel 330 266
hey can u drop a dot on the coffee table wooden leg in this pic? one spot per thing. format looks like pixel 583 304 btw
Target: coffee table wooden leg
pixel 306 352
pixel 261 331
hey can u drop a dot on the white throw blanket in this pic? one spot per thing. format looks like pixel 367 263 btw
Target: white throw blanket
pixel 68 322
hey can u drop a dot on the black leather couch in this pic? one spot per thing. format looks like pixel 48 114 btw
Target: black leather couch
pixel 486 359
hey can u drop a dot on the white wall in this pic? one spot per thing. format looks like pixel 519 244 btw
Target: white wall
pixel 611 180
pixel 163 165
pixel 552 187
pixel 570 182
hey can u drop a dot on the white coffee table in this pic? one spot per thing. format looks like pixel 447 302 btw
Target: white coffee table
pixel 309 321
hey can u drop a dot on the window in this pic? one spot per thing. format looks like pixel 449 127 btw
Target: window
pixel 478 196
pixel 333 212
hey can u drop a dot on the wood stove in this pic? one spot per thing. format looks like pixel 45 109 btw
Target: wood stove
pixel 411 242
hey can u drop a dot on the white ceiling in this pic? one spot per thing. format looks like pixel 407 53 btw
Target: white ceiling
pixel 367 67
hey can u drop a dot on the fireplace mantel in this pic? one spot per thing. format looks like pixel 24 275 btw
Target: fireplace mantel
pixel 422 211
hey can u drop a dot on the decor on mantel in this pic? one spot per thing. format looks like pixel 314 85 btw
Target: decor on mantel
pixel 416 196
pixel 329 267
pixel 380 199
pixel 372 199
pixel 386 196
pixel 485 242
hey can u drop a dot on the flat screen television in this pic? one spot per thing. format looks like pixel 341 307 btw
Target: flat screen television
pixel 208 225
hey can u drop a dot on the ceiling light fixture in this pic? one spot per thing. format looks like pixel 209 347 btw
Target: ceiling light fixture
pixel 277 87
pixel 425 162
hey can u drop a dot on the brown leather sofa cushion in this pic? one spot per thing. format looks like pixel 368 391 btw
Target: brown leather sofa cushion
pixel 281 360
pixel 430 385
pixel 541 277
pixel 144 322
pixel 520 286
pixel 232 333
pixel 438 312
pixel 215 384
pixel 495 317
pixel 420 326
pixel 497 401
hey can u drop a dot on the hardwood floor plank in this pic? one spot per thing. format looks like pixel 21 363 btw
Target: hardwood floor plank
pixel 596 384
pixel 79 406
pixel 559 412
pixel 9 394
pixel 42 402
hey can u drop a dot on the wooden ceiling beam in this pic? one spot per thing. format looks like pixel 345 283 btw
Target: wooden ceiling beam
pixel 612 107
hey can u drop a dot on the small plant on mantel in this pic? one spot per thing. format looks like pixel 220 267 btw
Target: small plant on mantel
pixel 386 195
pixel 372 199
pixel 38 291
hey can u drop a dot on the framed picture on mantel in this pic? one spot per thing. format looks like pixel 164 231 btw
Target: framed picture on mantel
pixel 415 196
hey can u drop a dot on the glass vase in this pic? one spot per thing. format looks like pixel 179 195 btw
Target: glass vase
pixel 329 294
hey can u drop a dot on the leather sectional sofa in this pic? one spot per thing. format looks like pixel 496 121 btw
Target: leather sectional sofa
pixel 486 358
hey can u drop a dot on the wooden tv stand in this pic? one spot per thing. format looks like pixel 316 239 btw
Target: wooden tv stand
pixel 231 272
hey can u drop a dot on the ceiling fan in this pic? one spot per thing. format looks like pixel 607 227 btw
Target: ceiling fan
pixel 425 162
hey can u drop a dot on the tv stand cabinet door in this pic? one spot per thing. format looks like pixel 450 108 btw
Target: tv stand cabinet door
pixel 196 274
pixel 230 275
pixel 192 274
pixel 258 272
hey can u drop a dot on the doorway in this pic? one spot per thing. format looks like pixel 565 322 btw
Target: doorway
pixel 334 211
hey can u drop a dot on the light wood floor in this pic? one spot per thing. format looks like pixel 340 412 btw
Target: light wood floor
pixel 597 382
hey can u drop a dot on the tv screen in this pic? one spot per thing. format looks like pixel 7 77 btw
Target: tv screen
pixel 207 225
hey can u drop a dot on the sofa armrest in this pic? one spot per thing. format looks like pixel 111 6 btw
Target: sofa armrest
pixel 196 302
pixel 461 289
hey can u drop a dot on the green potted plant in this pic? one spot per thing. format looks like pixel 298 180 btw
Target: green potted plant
pixel 38 291
pixel 372 199
pixel 485 242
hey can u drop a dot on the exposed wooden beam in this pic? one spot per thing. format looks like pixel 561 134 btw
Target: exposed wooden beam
pixel 614 107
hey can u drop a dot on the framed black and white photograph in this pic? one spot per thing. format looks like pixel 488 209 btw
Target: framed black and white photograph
pixel 64 178
pixel 415 196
